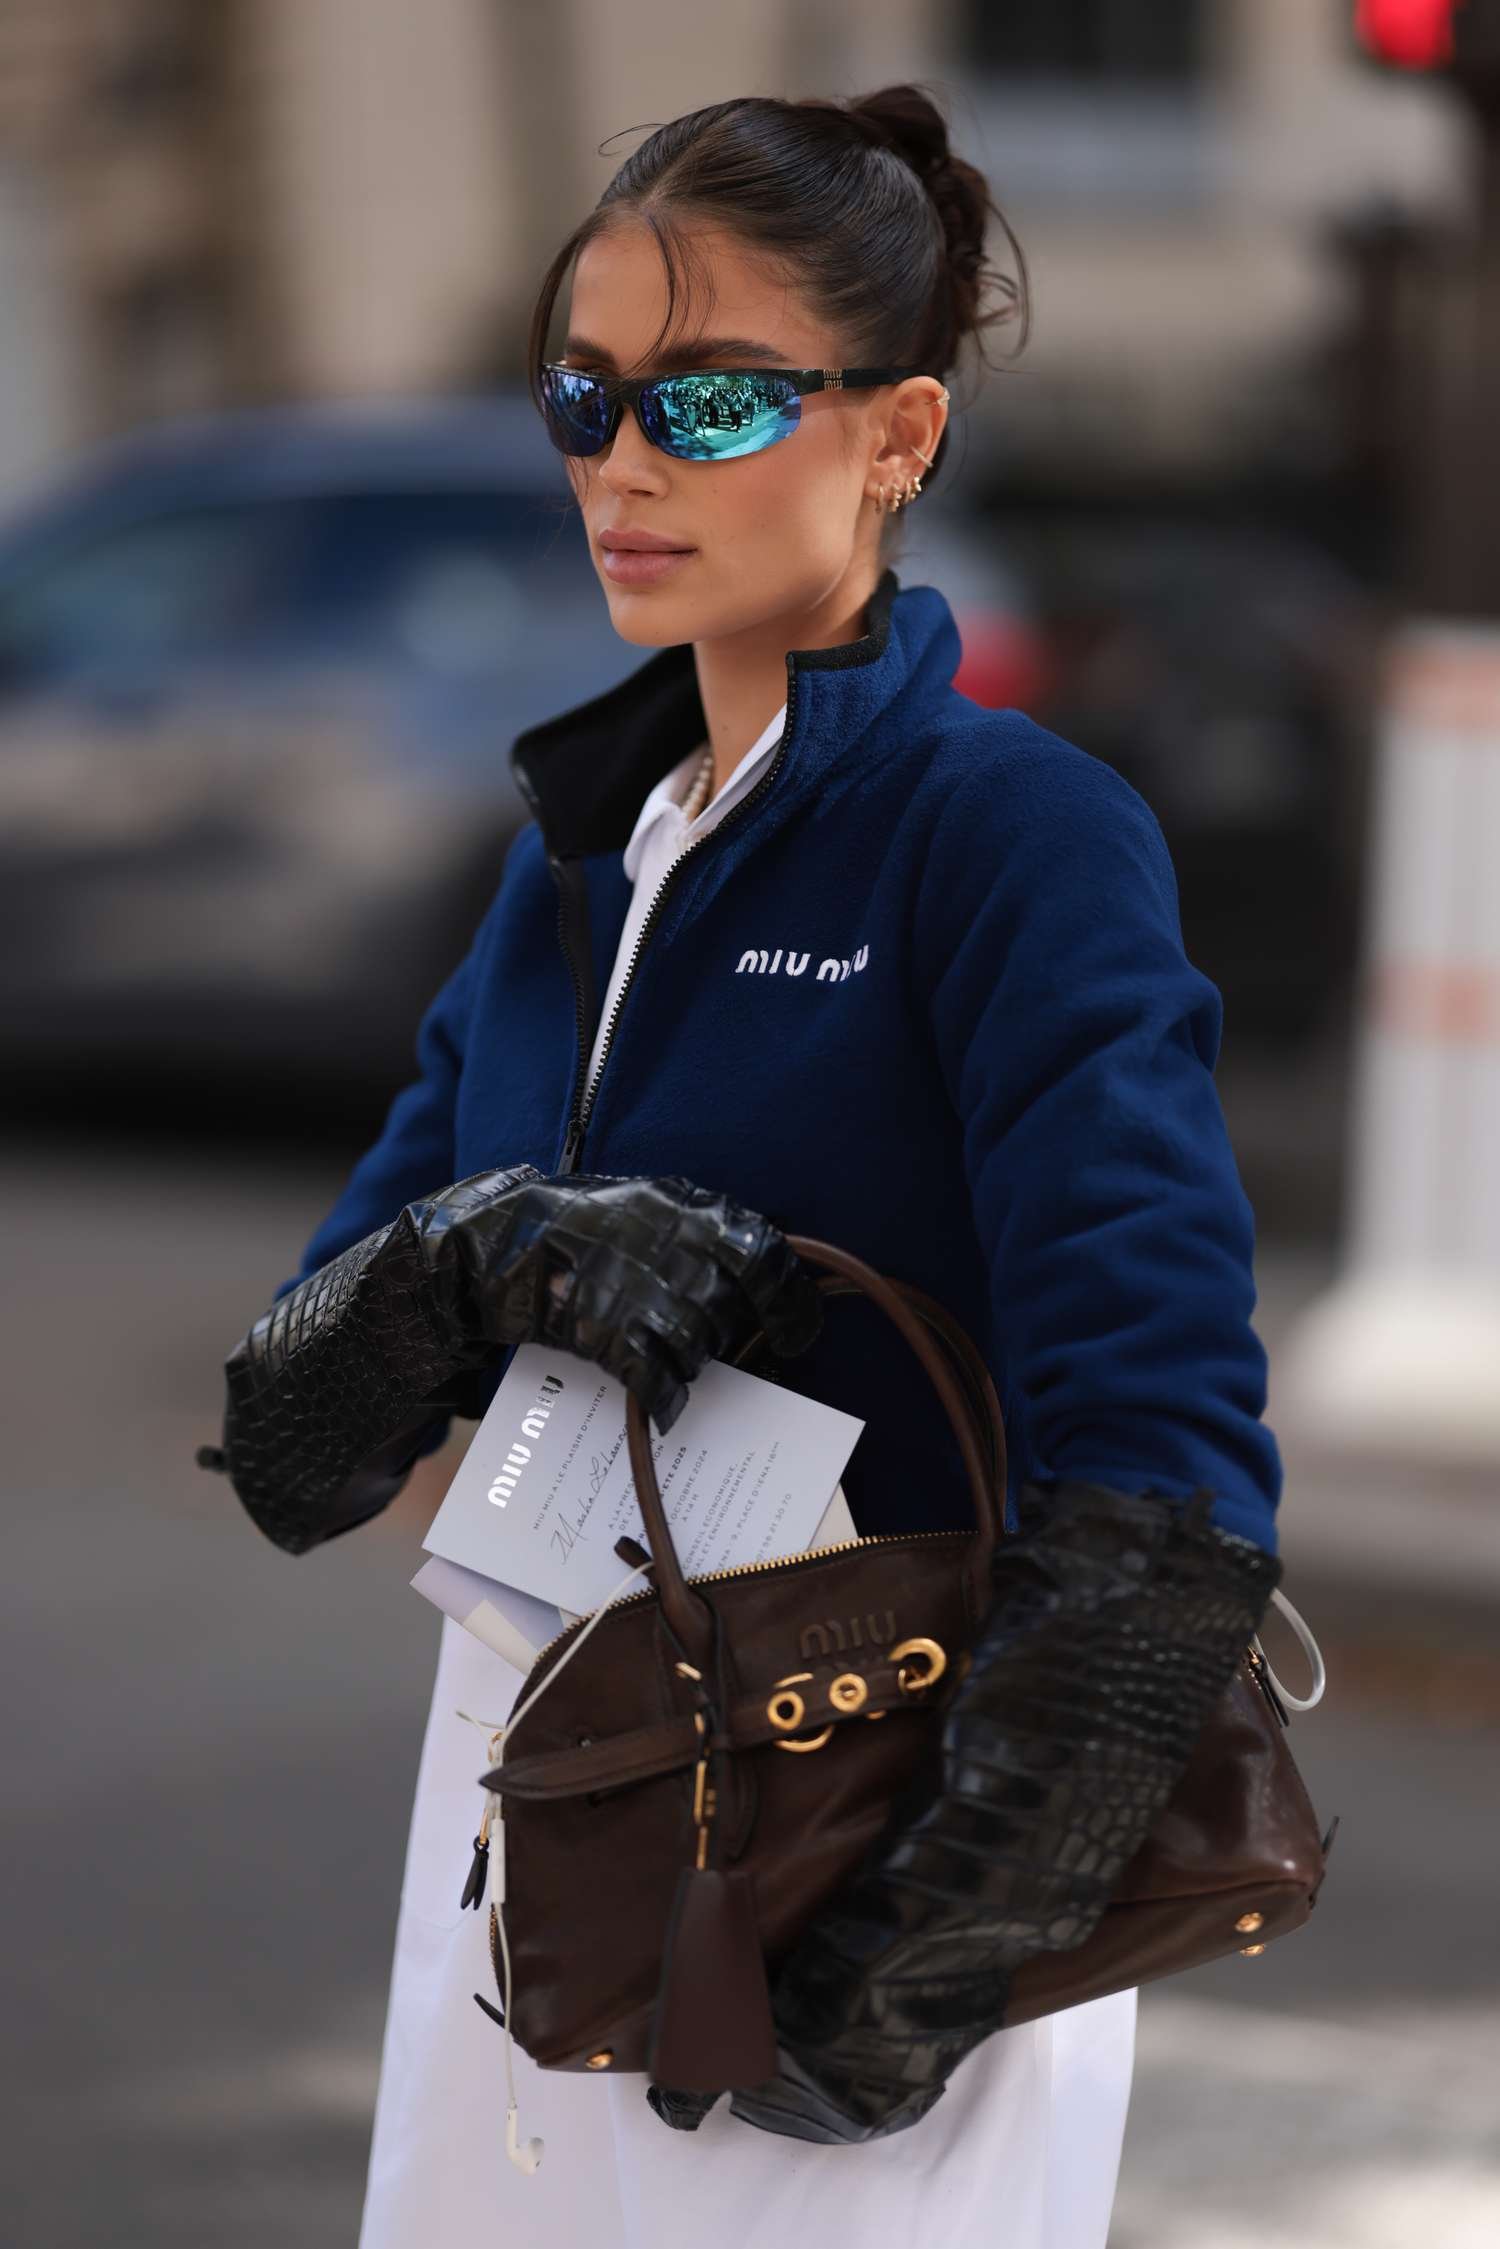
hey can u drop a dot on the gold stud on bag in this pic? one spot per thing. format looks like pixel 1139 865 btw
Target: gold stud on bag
pixel 708 1770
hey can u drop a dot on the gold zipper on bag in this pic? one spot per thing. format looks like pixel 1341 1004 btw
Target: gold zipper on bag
pixel 751 1569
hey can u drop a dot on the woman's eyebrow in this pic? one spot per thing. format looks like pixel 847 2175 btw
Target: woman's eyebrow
pixel 751 349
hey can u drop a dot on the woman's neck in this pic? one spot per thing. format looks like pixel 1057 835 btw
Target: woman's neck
pixel 742 676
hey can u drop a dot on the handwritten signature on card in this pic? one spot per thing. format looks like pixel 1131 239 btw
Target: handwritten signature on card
pixel 566 1533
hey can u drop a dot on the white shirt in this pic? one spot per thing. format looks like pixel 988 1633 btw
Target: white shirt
pixel 660 833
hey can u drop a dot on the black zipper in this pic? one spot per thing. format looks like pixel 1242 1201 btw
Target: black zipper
pixel 581 1106
pixel 574 1138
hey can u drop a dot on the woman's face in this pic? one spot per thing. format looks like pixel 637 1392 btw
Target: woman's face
pixel 779 534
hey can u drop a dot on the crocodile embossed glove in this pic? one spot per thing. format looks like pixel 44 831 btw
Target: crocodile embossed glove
pixel 331 1392
pixel 1116 1626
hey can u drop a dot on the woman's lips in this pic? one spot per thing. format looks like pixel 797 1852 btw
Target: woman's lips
pixel 643 566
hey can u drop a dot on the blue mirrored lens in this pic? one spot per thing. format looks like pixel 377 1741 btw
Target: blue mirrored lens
pixel 575 408
pixel 717 416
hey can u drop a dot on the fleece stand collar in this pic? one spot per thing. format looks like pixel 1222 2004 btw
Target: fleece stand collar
pixel 586 773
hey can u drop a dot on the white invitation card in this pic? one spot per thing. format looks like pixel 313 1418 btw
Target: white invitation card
pixel 747 1472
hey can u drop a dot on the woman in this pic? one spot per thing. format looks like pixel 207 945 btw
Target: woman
pixel 801 938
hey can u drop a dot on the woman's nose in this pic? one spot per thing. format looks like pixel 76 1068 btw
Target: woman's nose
pixel 630 463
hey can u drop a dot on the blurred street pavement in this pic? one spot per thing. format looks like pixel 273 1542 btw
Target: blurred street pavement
pixel 205 1903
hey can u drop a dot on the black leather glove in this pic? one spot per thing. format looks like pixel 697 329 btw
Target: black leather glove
pixel 1116 1626
pixel 332 1391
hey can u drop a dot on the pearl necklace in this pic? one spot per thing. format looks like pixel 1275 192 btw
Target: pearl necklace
pixel 697 796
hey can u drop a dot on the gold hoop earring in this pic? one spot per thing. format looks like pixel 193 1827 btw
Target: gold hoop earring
pixel 890 499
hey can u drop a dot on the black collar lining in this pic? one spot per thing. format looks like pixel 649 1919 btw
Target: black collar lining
pixel 586 773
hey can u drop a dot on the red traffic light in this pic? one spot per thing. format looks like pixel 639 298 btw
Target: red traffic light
pixel 1413 34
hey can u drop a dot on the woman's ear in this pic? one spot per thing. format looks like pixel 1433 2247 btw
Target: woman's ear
pixel 915 416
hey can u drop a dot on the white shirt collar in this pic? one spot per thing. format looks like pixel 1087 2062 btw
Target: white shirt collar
pixel 662 803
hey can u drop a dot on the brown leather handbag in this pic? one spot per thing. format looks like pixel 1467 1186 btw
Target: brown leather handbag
pixel 828 1667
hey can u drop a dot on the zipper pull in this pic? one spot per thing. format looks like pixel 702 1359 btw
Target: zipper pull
pixel 571 1147
pixel 474 1887
pixel 479 1865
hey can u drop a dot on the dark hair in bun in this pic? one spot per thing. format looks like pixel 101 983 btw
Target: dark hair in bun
pixel 862 202
pixel 905 121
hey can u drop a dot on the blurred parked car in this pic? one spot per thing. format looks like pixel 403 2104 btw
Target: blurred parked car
pixel 259 678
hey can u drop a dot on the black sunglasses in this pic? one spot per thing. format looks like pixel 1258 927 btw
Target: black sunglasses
pixel 710 414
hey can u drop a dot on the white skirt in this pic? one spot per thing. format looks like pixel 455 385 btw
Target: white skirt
pixel 1022 2150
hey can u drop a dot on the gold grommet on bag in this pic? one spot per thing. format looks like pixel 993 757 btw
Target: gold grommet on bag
pixel 1250 1950
pixel 602 2059
pixel 848 1691
pixel 912 1682
pixel 786 1711
pixel 1249 1921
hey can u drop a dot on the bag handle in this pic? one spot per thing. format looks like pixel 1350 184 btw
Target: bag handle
pixel 977 1424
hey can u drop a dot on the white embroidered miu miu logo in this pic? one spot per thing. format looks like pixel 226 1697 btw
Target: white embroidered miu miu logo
pixel 756 961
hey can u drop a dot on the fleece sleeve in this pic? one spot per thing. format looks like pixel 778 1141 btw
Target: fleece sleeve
pixel 1078 1044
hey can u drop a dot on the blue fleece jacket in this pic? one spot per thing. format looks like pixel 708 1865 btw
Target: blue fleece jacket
pixel 921 993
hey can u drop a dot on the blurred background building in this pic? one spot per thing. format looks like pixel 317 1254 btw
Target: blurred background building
pixel 284 565
pixel 207 202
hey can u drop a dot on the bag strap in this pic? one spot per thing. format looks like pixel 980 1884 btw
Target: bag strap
pixel 674 1744
pixel 957 1373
